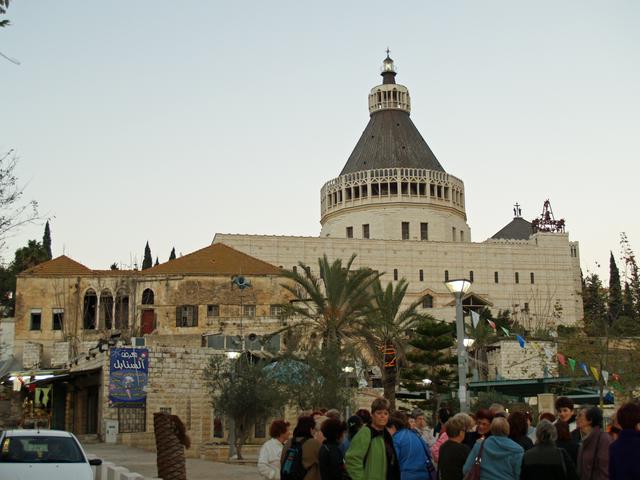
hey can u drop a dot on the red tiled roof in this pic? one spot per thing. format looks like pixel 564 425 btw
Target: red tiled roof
pixel 61 265
pixel 217 259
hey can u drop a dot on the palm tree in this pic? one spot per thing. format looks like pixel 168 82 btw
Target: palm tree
pixel 386 332
pixel 331 301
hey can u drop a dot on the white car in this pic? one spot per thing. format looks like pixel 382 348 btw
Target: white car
pixel 43 455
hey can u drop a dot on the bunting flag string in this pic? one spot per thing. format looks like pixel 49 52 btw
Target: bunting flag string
pixel 596 375
pixel 475 318
pixel 572 364
pixel 506 332
pixel 584 368
pixel 605 377
pixel 491 324
pixel 521 341
pixel 561 359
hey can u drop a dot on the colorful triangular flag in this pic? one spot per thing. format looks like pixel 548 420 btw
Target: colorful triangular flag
pixel 561 359
pixel 605 376
pixel 491 324
pixel 596 375
pixel 572 364
pixel 584 368
pixel 521 341
pixel 548 352
pixel 506 332
pixel 475 318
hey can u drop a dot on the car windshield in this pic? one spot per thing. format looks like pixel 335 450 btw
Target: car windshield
pixel 40 449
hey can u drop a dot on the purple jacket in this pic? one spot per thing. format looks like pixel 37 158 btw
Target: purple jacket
pixel 623 456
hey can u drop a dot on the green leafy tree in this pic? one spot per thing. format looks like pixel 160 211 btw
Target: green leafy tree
pixel 386 332
pixel 431 359
pixel 46 241
pixel 4 4
pixel 594 300
pixel 244 392
pixel 614 302
pixel 25 257
pixel 172 256
pixel 147 262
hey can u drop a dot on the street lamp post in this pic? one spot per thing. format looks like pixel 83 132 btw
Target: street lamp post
pixel 458 288
pixel 233 358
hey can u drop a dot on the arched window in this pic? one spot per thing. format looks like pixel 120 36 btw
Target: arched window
pixel 148 297
pixel 122 309
pixel 427 301
pixel 89 309
pixel 105 316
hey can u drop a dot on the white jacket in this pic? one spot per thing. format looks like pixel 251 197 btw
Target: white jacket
pixel 269 459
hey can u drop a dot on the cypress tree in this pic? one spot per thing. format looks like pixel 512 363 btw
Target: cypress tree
pixel 157 262
pixel 615 291
pixel 148 261
pixel 172 256
pixel 46 241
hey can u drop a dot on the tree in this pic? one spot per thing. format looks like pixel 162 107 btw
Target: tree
pixel 615 292
pixel 25 257
pixel 13 212
pixel 172 256
pixel 242 391
pixel 157 262
pixel 386 331
pixel 431 359
pixel 114 266
pixel 4 4
pixel 46 241
pixel 147 262
pixel 333 301
pixel 594 300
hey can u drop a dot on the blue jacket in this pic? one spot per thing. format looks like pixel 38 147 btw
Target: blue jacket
pixel 623 456
pixel 413 455
pixel 501 459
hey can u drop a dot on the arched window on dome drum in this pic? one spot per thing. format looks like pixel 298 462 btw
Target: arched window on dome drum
pixel 427 301
pixel 446 275
pixel 148 297
pixel 89 308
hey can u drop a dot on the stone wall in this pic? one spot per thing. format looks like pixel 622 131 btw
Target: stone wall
pixel 32 355
pixel 60 354
pixel 508 361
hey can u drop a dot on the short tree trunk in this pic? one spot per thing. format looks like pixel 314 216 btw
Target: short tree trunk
pixel 170 451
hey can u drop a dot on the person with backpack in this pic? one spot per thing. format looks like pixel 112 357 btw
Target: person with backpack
pixel 300 454
pixel 331 458
pixel 413 453
pixel 371 455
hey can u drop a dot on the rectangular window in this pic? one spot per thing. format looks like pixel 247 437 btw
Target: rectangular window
pixel 421 276
pixel 427 301
pixel 395 274
pixel 496 279
pixel 260 428
pixel 249 310
pixel 424 231
pixel 462 235
pixel 213 310
pixel 218 425
pixel 446 275
pixel 187 316
pixel 471 275
pixel 517 277
pixel 58 318
pixel 349 232
pixel 215 341
pixel 36 319
pixel 453 234
pixel 533 278
pixel 365 230
pixel 405 230
pixel 276 310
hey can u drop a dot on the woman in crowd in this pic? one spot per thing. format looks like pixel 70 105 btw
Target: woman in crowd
pixel 412 451
pixel 593 456
pixel 623 453
pixel 518 430
pixel 271 450
pixel 501 457
pixel 545 460
pixel 483 424
pixel 566 441
pixel 453 453
pixel 304 434
pixel 331 458
pixel 354 423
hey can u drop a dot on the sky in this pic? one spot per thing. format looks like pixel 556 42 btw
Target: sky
pixel 170 121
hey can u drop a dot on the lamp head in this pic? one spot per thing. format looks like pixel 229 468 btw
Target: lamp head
pixel 460 285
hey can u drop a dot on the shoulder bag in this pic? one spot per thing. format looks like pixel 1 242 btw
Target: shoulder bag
pixel 474 473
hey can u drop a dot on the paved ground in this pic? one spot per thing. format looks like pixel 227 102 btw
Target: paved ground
pixel 144 463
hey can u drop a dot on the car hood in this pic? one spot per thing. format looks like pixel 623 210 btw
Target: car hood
pixel 46 471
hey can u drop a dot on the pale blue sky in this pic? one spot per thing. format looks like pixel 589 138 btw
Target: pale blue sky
pixel 171 121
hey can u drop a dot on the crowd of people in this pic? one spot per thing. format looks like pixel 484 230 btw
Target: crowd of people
pixel 490 444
